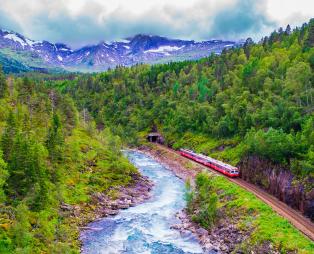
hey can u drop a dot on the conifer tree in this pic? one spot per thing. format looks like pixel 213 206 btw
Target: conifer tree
pixel 55 139
pixel 3 85
pixel 9 135
pixel 288 30
pixel 3 177
pixel 26 166
pixel 309 42
pixel 247 45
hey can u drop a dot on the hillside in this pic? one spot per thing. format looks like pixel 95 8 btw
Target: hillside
pixel 258 92
pixel 256 100
pixel 61 135
pixel 52 164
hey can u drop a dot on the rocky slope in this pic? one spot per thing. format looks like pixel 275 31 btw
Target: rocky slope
pixel 138 49
pixel 110 203
pixel 281 183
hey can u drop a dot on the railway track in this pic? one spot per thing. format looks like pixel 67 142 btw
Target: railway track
pixel 294 217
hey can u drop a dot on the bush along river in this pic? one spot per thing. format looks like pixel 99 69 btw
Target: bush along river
pixel 147 227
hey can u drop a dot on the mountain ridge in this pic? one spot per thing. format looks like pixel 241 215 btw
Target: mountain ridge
pixel 140 48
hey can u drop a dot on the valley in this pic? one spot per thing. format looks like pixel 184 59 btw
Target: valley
pixel 77 173
pixel 174 160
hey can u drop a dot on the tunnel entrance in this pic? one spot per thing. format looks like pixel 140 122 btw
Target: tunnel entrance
pixel 155 137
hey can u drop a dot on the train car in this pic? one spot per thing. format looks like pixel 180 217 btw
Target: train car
pixel 217 165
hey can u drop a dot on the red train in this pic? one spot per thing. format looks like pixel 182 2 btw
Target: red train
pixel 223 168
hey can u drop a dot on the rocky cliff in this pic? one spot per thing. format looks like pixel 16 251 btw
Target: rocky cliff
pixel 280 182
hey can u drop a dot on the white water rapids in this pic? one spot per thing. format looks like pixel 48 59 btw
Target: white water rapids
pixel 145 228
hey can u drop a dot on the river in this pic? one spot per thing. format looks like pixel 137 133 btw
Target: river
pixel 145 228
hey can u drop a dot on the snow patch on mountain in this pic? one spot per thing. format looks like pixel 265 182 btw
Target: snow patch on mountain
pixel 138 49
pixel 163 49
pixel 15 38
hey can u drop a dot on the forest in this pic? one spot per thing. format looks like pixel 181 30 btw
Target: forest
pixel 61 134
pixel 52 160
pixel 252 100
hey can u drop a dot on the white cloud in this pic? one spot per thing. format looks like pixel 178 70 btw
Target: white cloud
pixel 87 21
pixel 290 11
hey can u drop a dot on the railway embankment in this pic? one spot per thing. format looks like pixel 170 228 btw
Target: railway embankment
pixel 280 182
pixel 242 222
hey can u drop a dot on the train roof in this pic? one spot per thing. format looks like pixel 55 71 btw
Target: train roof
pixel 217 162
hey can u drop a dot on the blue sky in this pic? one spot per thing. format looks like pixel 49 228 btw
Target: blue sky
pixel 79 22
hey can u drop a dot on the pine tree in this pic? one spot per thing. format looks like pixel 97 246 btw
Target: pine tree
pixel 3 85
pixel 288 30
pixel 175 88
pixel 280 33
pixel 9 135
pixel 3 177
pixel 26 89
pixel 26 166
pixel 247 47
pixel 309 42
pixel 265 41
pixel 55 139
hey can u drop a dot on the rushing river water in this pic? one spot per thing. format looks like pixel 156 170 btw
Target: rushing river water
pixel 144 228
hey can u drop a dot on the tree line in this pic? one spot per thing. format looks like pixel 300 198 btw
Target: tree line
pixel 255 99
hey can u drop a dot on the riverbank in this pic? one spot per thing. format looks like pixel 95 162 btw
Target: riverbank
pixel 108 203
pixel 145 228
pixel 225 235
pixel 111 202
pixel 244 223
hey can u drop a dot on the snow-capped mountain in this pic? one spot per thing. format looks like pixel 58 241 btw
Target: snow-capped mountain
pixel 138 49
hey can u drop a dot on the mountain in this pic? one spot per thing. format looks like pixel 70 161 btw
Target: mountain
pixel 133 50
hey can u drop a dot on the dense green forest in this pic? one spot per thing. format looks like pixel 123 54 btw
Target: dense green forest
pixel 61 135
pixel 256 99
pixel 50 157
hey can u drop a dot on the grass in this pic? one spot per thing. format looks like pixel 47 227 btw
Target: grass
pixel 251 212
pixel 267 224
pixel 92 166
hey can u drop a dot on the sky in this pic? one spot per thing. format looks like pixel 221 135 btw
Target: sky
pixel 81 22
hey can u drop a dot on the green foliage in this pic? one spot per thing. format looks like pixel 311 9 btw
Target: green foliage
pixel 256 100
pixel 272 144
pixel 202 202
pixel 9 135
pixel 309 42
pixel 55 139
pixel 3 177
pixel 3 84
pixel 22 238
pixel 257 86
pixel 10 65
pixel 26 166
pixel 252 214
pixel 19 62
pixel 50 157
pixel 189 196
